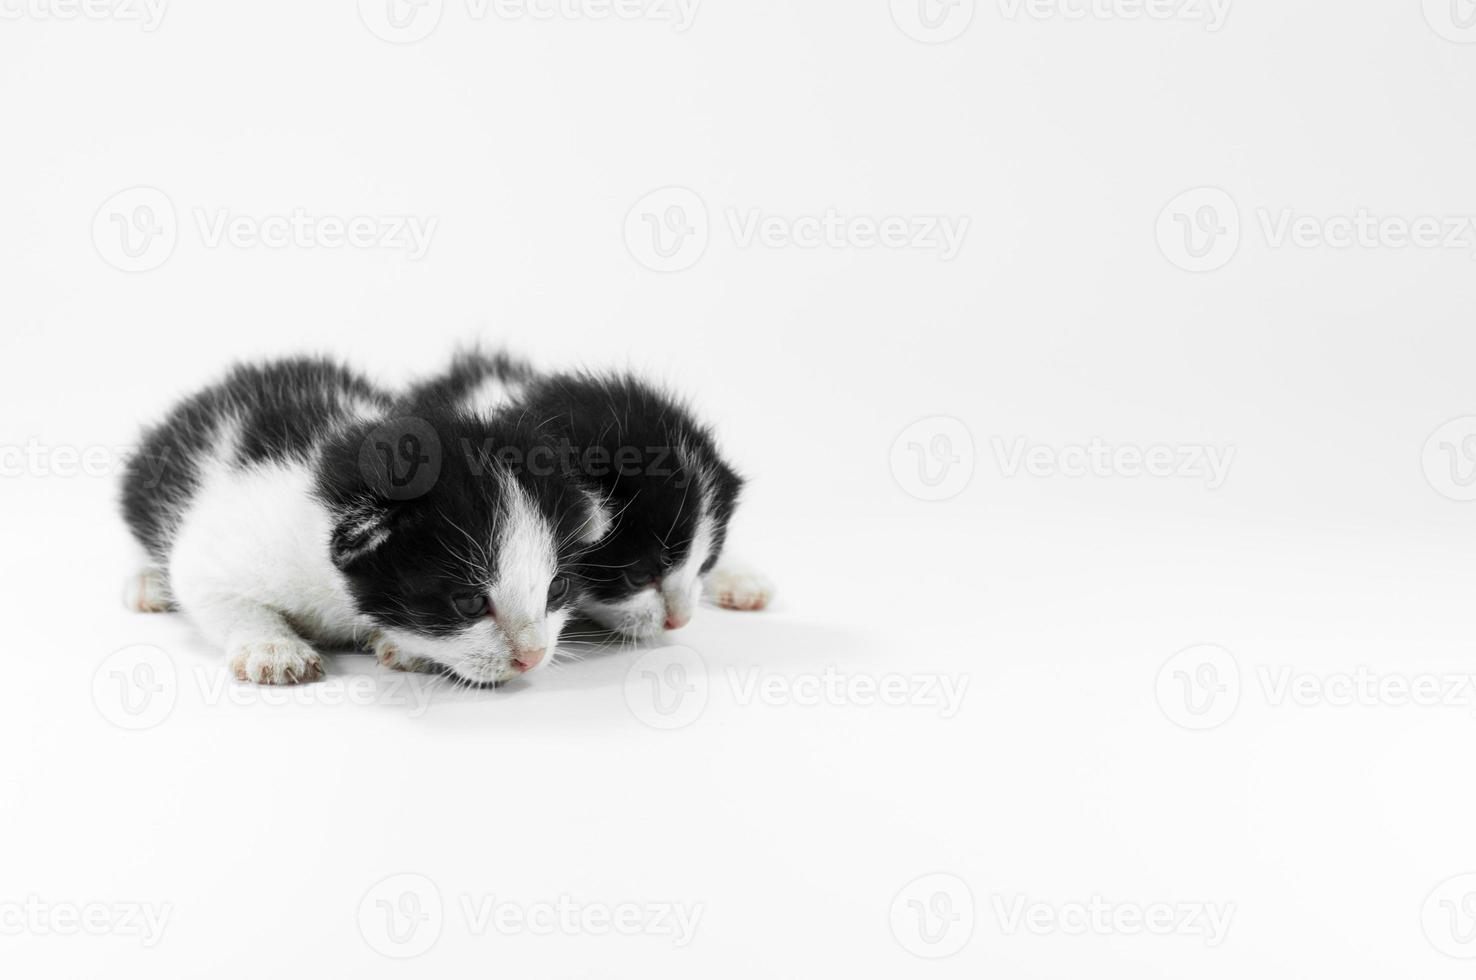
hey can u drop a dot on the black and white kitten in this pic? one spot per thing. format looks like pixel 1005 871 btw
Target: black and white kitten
pixel 288 506
pixel 657 469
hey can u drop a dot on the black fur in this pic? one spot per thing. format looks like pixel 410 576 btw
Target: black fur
pixel 413 522
pixel 635 445
pixel 284 410
pixel 438 544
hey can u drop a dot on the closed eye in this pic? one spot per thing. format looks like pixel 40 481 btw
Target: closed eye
pixel 639 579
pixel 471 605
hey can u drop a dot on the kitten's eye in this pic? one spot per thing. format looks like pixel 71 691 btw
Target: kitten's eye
pixel 471 605
pixel 639 579
pixel 557 589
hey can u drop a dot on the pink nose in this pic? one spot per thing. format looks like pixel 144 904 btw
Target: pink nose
pixel 526 660
pixel 675 621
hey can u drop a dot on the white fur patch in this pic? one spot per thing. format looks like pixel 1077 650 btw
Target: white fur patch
pixel 493 394
pixel 250 565
pixel 527 561
pixel 601 519
pixel 259 535
pixel 681 586
pixel 481 653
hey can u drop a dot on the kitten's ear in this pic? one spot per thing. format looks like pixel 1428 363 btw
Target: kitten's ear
pixel 360 530
pixel 363 479
pixel 598 518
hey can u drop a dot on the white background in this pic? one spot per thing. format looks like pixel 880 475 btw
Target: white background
pixel 1069 315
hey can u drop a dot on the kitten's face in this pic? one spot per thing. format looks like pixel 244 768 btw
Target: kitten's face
pixel 646 575
pixel 645 587
pixel 483 594
pixel 476 575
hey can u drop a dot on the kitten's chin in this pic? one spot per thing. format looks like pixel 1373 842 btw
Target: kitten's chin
pixel 641 631
pixel 641 616
pixel 489 676
pixel 634 620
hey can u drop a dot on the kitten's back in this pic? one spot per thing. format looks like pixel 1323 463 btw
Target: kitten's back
pixel 259 413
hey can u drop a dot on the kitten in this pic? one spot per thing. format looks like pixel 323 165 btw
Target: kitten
pixel 288 506
pixel 653 464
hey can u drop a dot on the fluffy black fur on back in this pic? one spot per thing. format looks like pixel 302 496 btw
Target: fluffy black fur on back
pixel 469 368
pixel 277 411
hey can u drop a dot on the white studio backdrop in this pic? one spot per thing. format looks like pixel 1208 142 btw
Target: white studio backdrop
pixel 1102 372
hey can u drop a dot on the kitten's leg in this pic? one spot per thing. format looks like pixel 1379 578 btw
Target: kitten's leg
pixel 148 591
pixel 388 654
pixel 734 586
pixel 261 646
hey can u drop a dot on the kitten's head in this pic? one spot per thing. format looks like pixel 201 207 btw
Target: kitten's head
pixel 670 492
pixel 457 554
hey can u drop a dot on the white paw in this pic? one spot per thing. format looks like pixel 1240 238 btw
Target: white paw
pixel 285 660
pixel 738 588
pixel 390 656
pixel 148 591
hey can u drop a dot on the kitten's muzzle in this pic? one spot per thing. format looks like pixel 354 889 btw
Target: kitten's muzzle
pixel 528 643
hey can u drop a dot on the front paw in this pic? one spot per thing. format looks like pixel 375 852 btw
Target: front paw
pixel 389 655
pixel 277 661
pixel 735 588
